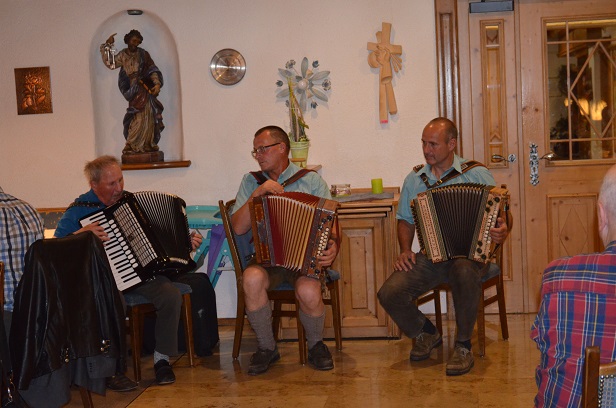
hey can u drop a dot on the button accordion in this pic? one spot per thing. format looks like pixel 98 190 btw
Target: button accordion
pixel 148 235
pixel 454 221
pixel 291 230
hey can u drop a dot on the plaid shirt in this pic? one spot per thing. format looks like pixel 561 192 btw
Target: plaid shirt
pixel 578 309
pixel 20 226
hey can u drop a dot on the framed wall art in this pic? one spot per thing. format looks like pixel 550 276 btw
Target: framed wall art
pixel 33 88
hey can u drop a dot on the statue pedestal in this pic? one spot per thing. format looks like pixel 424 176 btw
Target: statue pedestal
pixel 149 157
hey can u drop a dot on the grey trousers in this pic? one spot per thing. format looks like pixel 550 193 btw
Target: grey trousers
pixel 401 289
pixel 168 302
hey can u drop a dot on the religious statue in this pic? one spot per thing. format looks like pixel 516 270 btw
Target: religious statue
pixel 139 81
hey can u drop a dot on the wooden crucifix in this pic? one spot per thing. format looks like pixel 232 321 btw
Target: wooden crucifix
pixel 385 55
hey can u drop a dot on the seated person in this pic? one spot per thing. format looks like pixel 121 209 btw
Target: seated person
pixel 578 310
pixel 22 225
pixel 106 182
pixel 415 274
pixel 271 150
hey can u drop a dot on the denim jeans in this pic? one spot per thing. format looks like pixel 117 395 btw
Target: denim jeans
pixel 401 289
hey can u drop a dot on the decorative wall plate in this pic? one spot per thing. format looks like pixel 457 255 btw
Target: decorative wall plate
pixel 228 66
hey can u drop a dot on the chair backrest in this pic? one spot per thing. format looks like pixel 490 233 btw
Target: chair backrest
pixel 225 210
pixel 599 385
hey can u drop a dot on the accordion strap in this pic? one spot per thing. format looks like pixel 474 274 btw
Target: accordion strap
pixel 262 179
pixel 467 165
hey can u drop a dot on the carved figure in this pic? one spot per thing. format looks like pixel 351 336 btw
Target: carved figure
pixel 384 55
pixel 139 81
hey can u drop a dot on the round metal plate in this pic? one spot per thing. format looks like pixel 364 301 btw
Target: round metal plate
pixel 228 66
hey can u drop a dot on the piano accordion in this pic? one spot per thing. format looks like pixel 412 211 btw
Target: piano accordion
pixel 291 230
pixel 454 221
pixel 148 235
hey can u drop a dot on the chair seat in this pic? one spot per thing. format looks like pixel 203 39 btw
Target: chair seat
pixel 133 299
pixel 493 270
pixel 331 277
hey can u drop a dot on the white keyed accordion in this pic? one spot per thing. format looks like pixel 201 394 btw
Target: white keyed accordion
pixel 148 235
pixel 291 230
pixel 454 221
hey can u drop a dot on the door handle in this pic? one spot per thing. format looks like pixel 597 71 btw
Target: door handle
pixel 534 163
pixel 497 158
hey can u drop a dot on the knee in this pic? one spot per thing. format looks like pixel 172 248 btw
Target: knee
pixel 254 280
pixel 308 292
pixel 386 292
pixel 170 297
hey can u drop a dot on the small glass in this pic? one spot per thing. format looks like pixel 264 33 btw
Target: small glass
pixel 340 190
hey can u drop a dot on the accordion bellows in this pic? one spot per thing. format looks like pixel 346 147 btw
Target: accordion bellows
pixel 454 221
pixel 291 230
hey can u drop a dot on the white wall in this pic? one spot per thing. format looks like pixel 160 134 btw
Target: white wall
pixel 42 156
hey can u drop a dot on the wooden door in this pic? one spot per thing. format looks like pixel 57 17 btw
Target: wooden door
pixel 489 122
pixel 567 51
pixel 522 100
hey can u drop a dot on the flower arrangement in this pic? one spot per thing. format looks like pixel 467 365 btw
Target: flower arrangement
pixel 305 84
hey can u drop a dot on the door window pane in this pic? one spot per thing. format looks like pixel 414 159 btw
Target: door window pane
pixel 581 70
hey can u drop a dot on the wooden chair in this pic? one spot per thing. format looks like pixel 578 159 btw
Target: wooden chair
pixel 277 296
pixel 493 278
pixel 599 380
pixel 138 306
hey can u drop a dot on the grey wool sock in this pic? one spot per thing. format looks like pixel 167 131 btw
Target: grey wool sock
pixel 261 322
pixel 313 326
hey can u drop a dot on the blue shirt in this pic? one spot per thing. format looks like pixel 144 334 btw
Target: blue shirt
pixel 20 226
pixel 413 184
pixel 310 183
pixel 69 222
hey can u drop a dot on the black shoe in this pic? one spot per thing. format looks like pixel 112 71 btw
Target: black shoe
pixel 320 357
pixel 120 383
pixel 261 360
pixel 164 373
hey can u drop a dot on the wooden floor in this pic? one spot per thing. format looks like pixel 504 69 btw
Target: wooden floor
pixel 367 373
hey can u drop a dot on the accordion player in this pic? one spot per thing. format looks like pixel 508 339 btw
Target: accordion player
pixel 148 235
pixel 454 221
pixel 291 230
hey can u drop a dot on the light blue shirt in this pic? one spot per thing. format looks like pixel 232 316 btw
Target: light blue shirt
pixel 310 183
pixel 413 184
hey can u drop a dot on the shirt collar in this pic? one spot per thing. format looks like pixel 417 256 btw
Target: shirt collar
pixel 457 165
pixel 291 169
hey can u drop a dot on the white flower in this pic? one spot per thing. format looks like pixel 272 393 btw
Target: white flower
pixel 304 84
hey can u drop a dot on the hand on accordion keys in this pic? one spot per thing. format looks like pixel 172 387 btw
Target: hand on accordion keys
pixel 500 231
pixel 97 229
pixel 329 254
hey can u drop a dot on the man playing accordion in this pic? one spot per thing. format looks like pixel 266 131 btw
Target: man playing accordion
pixel 415 274
pixel 277 175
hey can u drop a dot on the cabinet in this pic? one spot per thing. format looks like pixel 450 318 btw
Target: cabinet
pixel 368 249
pixel 369 246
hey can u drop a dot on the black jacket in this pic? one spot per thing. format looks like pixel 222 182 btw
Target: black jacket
pixel 68 319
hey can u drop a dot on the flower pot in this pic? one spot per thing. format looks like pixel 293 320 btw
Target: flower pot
pixel 299 153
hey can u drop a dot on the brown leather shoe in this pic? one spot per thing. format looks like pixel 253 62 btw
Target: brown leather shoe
pixel 460 362
pixel 424 343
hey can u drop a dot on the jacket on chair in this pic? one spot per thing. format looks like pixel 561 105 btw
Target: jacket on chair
pixel 68 321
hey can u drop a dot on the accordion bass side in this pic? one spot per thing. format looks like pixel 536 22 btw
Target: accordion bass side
pixel 454 221
pixel 291 230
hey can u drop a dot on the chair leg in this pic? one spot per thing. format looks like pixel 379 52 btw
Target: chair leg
pixel 276 319
pixel 481 326
pixel 502 310
pixel 301 336
pixel 438 311
pixel 239 326
pixel 86 397
pixel 135 335
pixel 336 315
pixel 188 328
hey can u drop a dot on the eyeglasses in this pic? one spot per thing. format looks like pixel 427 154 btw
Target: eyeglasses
pixel 262 149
